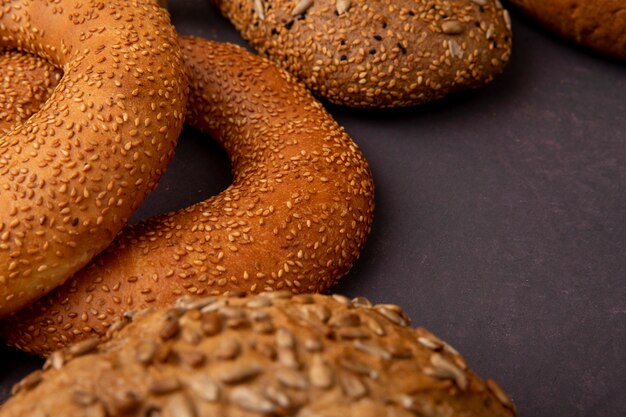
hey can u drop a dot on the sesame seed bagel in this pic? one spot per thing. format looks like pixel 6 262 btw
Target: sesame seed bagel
pixel 26 82
pixel 599 24
pixel 73 173
pixel 379 54
pixel 270 355
pixel 295 217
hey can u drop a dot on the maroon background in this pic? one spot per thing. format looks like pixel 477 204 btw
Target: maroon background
pixel 500 220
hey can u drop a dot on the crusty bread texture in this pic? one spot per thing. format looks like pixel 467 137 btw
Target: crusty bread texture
pixel 379 54
pixel 295 218
pixel 597 24
pixel 73 173
pixel 26 82
pixel 268 355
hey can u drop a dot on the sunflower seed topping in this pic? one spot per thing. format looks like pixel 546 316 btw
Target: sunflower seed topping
pixel 228 349
pixel 507 19
pixel 292 378
pixel 163 386
pixel 250 400
pixel 342 6
pixel 358 367
pixel 239 372
pixel 499 393
pixel 342 300
pixel 320 373
pixel 258 8
pixel 392 314
pixel 170 329
pixel 278 397
pixel 84 347
pixel 345 319
pixel 95 410
pixel 375 326
pixel 83 398
pixel 145 352
pixel 372 349
pixel 429 343
pixel 361 302
pixel 455 49
pixel 352 385
pixel 195 304
pixel 313 345
pixel 55 361
pixel 216 306
pixel 124 402
pixel 452 27
pixel 278 295
pixel 351 333
pixel 259 302
pixel 205 388
pixel 444 369
pixel 301 7
pixel 285 339
pixel 180 406
pixel 211 324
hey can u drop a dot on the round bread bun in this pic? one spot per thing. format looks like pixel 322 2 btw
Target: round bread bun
pixel 26 82
pixel 73 173
pixel 596 24
pixel 379 54
pixel 295 218
pixel 269 355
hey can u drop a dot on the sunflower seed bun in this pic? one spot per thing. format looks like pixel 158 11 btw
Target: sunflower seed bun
pixel 73 173
pixel 379 54
pixel 272 354
pixel 597 24
pixel 295 218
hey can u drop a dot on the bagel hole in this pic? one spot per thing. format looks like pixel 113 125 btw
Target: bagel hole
pixel 199 170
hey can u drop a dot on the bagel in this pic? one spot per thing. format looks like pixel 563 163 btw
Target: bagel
pixel 72 174
pixel 295 217
pixel 308 356
pixel 26 83
pixel 387 53
pixel 596 24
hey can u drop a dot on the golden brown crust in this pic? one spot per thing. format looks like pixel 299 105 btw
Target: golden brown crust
pixel 26 82
pixel 72 174
pixel 379 54
pixel 272 355
pixel 600 25
pixel 295 218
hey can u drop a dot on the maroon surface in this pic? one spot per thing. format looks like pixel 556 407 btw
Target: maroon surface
pixel 500 220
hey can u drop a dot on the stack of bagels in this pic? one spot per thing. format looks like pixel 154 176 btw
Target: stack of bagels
pixel 216 309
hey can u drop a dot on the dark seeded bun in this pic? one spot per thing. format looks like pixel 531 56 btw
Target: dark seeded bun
pixel 597 24
pixel 379 54
pixel 295 218
pixel 270 355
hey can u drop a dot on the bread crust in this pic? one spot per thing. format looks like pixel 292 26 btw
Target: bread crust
pixel 26 82
pixel 295 218
pixel 379 54
pixel 268 355
pixel 73 173
pixel 599 25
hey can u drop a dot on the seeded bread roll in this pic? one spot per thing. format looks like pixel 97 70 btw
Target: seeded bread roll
pixel 74 172
pixel 272 355
pixel 26 82
pixel 379 54
pixel 597 24
pixel 295 218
